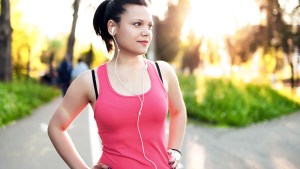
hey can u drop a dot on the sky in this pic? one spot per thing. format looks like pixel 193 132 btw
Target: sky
pixel 212 18
pixel 54 16
pixel 215 18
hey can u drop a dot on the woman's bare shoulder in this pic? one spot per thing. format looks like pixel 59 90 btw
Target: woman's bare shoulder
pixel 165 66
pixel 84 83
pixel 85 77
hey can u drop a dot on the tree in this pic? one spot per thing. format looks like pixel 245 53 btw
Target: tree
pixel 272 35
pixel 71 40
pixel 168 31
pixel 5 42
pixel 280 35
pixel 243 44
pixel 191 55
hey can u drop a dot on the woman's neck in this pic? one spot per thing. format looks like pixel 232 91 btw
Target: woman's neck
pixel 127 59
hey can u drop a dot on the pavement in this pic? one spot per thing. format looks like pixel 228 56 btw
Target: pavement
pixel 270 145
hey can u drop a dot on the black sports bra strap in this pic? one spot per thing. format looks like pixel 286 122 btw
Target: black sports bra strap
pixel 95 84
pixel 156 64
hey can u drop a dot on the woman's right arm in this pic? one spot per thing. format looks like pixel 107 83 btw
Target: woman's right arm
pixel 75 100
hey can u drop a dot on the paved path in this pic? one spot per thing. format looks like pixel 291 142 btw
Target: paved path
pixel 270 145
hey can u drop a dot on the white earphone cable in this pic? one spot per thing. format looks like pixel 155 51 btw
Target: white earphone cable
pixel 141 101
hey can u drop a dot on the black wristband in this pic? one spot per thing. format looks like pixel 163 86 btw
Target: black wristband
pixel 176 150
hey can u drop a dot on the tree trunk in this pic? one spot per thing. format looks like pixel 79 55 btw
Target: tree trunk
pixel 29 63
pixel 5 42
pixel 51 68
pixel 292 78
pixel 71 40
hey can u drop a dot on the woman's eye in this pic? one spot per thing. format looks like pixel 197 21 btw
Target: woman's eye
pixel 137 24
pixel 150 27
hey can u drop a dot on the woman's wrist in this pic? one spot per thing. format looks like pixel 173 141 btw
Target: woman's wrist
pixel 175 153
pixel 174 149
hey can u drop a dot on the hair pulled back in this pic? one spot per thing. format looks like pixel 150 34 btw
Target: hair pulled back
pixel 111 10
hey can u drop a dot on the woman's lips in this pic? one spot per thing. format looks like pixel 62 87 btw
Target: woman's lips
pixel 144 43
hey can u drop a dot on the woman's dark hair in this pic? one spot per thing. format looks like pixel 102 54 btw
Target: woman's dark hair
pixel 111 9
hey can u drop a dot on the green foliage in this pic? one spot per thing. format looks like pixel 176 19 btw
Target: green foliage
pixel 224 102
pixel 19 98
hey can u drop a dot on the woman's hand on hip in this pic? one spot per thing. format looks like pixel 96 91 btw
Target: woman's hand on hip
pixel 174 158
pixel 101 166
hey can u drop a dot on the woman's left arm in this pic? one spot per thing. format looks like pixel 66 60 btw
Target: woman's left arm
pixel 177 109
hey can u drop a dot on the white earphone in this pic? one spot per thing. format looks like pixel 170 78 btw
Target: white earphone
pixel 146 65
pixel 113 31
pixel 141 98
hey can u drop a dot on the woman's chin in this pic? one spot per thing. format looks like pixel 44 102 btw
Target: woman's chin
pixel 142 52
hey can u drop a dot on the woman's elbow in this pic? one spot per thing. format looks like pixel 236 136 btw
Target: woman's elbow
pixel 180 113
pixel 54 130
pixel 50 130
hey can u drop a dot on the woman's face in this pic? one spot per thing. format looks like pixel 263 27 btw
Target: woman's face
pixel 134 32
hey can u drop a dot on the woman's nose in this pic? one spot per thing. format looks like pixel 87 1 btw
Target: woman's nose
pixel 146 32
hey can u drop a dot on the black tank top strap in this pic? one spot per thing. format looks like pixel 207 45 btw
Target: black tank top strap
pixel 95 84
pixel 159 73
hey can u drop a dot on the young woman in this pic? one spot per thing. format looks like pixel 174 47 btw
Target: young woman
pixel 130 96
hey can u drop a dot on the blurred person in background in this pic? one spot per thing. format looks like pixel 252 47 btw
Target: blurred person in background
pixel 79 68
pixel 64 75
pixel 130 95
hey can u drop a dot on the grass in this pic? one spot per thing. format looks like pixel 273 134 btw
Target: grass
pixel 19 98
pixel 224 102
pixel 217 102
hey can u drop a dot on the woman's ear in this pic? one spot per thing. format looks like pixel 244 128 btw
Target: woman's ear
pixel 111 27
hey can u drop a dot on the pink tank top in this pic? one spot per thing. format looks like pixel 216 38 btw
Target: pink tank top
pixel 116 117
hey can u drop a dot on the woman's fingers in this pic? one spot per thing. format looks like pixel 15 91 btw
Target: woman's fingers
pixel 172 161
pixel 101 166
pixel 175 164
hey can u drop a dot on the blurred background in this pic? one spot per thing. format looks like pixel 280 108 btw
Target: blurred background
pixel 237 60
pixel 228 54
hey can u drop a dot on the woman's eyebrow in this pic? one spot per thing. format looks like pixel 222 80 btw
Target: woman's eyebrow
pixel 141 20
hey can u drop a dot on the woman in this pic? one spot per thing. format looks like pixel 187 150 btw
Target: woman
pixel 129 94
